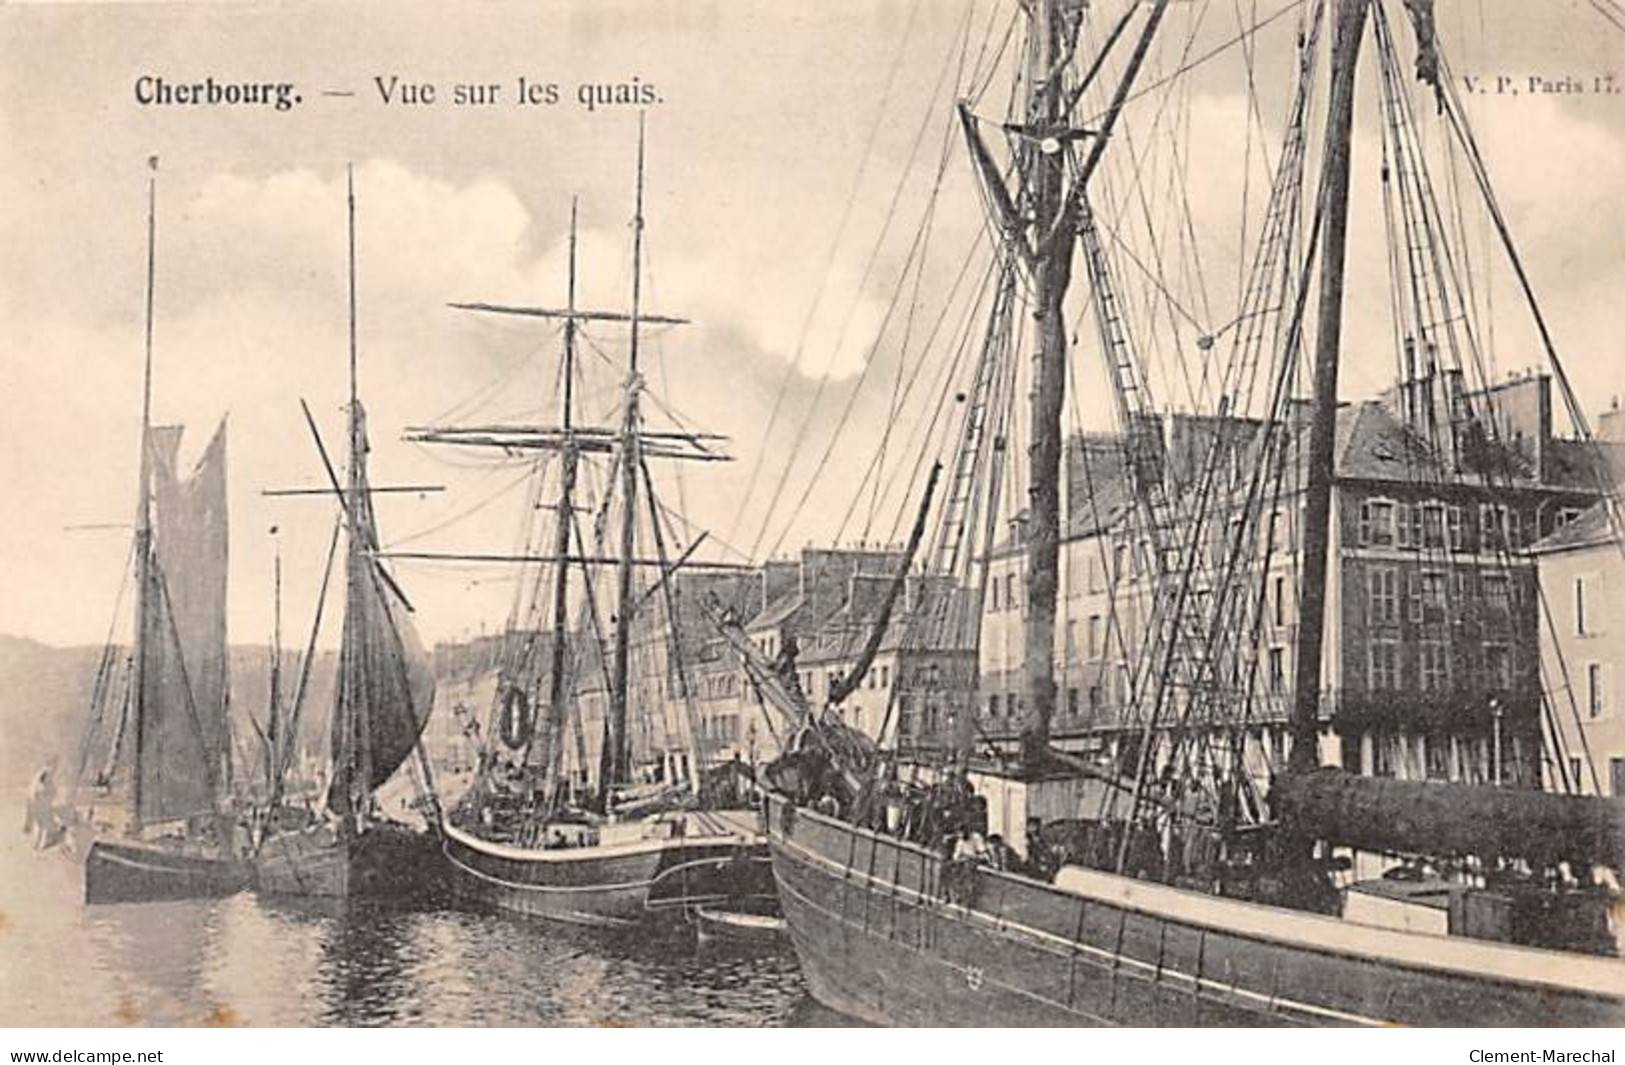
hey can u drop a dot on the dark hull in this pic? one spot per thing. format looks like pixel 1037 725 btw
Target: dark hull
pixel 606 886
pixel 877 940
pixel 387 861
pixel 132 871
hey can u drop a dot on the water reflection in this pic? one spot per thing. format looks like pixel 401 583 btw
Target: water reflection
pixel 248 961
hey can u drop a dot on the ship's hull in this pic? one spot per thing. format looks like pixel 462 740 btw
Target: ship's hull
pixel 138 871
pixel 878 940
pixel 387 861
pixel 606 886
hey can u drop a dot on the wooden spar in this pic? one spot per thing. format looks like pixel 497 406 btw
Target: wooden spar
pixel 674 631
pixel 580 560
pixel 877 634
pixel 614 767
pixel 143 520
pixel 584 443
pixel 357 732
pixel 274 717
pixel 553 430
pixel 1106 46
pixel 1086 169
pixel 1045 175
pixel 1350 28
pixel 417 489
pixel 291 730
pixel 349 495
pixel 669 571
pixel 568 315
pixel 557 690
pixel 1055 216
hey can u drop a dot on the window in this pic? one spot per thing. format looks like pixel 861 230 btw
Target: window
pixel 1435 665
pixel 1351 760
pixel 1498 665
pixel 1497 594
pixel 1094 572
pixel 884 675
pixel 1119 562
pixel 1574 775
pixel 1596 693
pixel 1382 755
pixel 1093 635
pixel 993 597
pixel 1433 592
pixel 1094 697
pixel 1415 582
pixel 1010 591
pixel 1564 516
pixel 1384 595
pixel 1588 595
pixel 1279 589
pixel 1438 757
pixel 1277 669
pixel 1432 525
pixel 1071 640
pixel 1072 700
pixel 1404 533
pixel 1384 665
pixel 1498 527
pixel 1377 522
pixel 993 705
pixel 1454 530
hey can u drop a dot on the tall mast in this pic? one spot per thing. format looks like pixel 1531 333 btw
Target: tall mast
pixel 273 728
pixel 1054 225
pixel 614 765
pixel 561 538
pixel 357 729
pixel 1350 28
pixel 1052 274
pixel 143 520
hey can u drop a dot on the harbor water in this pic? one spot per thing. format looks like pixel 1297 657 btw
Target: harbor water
pixel 247 961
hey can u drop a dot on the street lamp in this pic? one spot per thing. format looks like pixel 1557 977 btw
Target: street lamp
pixel 1495 716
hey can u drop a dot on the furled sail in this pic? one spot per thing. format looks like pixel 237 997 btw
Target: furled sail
pixel 1433 817
pixel 386 686
pixel 183 697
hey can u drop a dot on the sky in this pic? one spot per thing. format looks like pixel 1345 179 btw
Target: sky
pixel 791 156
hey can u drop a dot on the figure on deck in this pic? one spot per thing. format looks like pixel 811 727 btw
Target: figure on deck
pixel 40 817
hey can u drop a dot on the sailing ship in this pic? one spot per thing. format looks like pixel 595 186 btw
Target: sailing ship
pixel 1186 893
pixel 612 843
pixel 384 696
pixel 169 743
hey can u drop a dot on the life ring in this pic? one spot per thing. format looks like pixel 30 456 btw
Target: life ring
pixel 518 719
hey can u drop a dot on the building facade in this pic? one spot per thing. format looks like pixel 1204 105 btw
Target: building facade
pixel 1581 571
